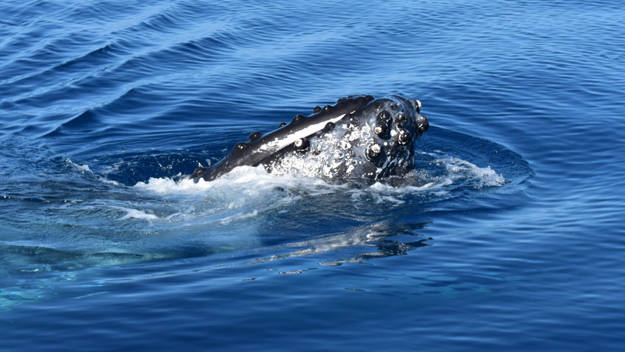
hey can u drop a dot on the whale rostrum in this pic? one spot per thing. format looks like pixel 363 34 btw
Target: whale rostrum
pixel 357 138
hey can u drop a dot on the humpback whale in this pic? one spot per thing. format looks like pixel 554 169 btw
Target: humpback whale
pixel 358 138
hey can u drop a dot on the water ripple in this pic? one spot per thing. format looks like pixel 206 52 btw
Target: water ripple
pixel 508 235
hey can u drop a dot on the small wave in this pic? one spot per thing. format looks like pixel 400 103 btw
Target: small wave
pixel 246 185
pixel 250 180
pixel 86 170
pixel 480 176
pixel 79 167
pixel 137 214
pixel 477 176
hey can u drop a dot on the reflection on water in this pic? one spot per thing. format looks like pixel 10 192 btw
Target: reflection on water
pixel 377 240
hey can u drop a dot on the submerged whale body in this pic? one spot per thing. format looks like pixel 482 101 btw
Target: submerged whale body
pixel 359 138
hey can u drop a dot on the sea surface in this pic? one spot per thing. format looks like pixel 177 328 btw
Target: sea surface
pixel 511 238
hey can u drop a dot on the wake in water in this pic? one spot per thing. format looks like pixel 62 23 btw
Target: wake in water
pixel 247 185
pixel 90 214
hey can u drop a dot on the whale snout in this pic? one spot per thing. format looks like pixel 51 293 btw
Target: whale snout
pixel 416 104
pixel 422 124
pixel 421 121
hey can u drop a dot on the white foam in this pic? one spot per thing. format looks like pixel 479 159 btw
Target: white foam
pixel 247 192
pixel 110 182
pixel 479 176
pixel 236 217
pixel 244 181
pixel 136 214
pixel 242 194
pixel 79 167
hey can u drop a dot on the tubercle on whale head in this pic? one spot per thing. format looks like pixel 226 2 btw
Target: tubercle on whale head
pixel 394 122
pixel 343 106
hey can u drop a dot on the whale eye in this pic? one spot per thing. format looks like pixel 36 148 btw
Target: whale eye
pixel 317 108
pixel 403 138
pixel 282 124
pixel 328 127
pixel 241 146
pixel 326 108
pixel 373 151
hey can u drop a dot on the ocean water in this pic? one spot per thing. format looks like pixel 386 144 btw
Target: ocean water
pixel 511 237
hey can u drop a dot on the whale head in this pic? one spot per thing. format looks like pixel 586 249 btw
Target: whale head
pixel 358 138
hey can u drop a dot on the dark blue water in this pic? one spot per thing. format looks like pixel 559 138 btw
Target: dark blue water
pixel 512 236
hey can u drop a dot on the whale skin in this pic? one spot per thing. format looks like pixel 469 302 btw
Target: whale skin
pixel 358 138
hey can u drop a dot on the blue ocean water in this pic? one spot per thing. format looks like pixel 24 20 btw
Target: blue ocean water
pixel 512 239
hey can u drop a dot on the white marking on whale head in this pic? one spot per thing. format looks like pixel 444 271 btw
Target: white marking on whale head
pixel 281 143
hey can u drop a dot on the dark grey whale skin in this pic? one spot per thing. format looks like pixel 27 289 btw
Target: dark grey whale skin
pixel 394 123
